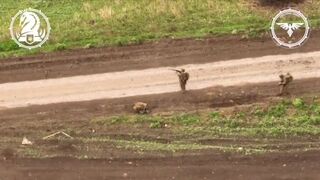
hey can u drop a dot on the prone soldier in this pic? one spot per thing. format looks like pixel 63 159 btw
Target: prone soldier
pixel 183 78
pixel 140 108
pixel 285 80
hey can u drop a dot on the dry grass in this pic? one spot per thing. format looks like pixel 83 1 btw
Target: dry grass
pixel 106 12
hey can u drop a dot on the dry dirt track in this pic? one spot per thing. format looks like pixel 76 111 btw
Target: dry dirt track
pixel 158 80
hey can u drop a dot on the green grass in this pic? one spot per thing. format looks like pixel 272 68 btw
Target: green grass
pixel 174 146
pixel 285 119
pixel 262 128
pixel 95 23
pixel 142 146
pixel 97 147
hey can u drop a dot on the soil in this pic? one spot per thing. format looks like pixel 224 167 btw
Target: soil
pixel 213 97
pixel 189 167
pixel 136 57
pixel 281 3
pixel 17 122
pixel 158 80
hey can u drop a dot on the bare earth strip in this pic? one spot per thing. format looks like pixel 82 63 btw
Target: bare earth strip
pixel 158 80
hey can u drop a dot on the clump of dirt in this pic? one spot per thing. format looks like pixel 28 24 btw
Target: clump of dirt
pixel 8 153
pixel 280 3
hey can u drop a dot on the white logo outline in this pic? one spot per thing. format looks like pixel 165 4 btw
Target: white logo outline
pixel 290 28
pixel 41 37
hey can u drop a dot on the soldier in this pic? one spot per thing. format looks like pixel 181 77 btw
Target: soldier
pixel 183 79
pixel 284 83
pixel 140 108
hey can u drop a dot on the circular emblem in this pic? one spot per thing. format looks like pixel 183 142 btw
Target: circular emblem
pixel 290 28
pixel 30 28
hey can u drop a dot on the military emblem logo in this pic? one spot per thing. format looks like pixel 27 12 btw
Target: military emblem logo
pixel 30 28
pixel 290 28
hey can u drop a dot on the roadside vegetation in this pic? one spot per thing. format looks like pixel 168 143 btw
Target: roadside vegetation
pixel 96 23
pixel 286 119
pixel 252 129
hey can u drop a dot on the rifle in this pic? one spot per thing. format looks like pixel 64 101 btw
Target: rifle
pixel 178 71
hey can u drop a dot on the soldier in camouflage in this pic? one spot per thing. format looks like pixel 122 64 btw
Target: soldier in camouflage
pixel 183 79
pixel 140 108
pixel 285 80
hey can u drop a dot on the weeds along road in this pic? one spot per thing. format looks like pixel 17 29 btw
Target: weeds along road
pixel 158 80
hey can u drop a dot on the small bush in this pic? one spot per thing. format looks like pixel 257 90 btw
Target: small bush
pixel 157 124
pixel 277 111
pixel 215 114
pixel 298 103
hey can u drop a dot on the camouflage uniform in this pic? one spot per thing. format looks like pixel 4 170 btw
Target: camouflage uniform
pixel 183 79
pixel 140 108
pixel 284 83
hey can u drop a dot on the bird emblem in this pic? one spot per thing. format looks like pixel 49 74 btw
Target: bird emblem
pixel 290 28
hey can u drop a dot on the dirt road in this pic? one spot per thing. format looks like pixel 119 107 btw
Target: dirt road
pixel 158 80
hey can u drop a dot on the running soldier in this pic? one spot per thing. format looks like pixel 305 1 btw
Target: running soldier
pixel 285 80
pixel 183 79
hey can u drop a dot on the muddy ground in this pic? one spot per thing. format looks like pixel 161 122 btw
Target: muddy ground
pixel 18 122
pixel 206 166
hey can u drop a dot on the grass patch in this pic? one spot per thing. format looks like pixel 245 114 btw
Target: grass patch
pixel 285 119
pixel 182 119
pixel 298 118
pixel 96 23
pixel 30 152
pixel 155 146
pixel 176 146
pixel 292 118
pixel 180 146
